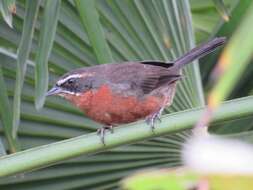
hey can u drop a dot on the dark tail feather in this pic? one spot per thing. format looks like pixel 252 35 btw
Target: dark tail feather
pixel 199 52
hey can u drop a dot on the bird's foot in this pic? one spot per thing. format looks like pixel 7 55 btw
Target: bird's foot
pixel 151 119
pixel 101 132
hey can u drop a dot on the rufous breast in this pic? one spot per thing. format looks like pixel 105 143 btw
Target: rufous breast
pixel 106 107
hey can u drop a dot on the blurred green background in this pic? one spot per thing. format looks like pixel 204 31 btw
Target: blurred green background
pixel 105 31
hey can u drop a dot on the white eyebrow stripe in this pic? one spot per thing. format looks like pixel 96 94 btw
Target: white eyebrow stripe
pixel 68 77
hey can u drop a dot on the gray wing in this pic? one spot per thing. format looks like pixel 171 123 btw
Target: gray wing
pixel 141 77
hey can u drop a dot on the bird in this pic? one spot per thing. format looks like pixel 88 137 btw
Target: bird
pixel 121 93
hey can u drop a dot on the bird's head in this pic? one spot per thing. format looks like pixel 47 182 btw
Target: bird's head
pixel 72 84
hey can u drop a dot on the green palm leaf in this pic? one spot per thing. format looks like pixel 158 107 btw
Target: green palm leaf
pixel 23 53
pixel 134 30
pixel 7 7
pixel 47 34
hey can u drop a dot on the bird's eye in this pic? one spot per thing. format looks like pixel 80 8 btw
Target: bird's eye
pixel 70 81
pixel 87 86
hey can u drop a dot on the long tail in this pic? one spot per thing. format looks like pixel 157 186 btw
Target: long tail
pixel 199 52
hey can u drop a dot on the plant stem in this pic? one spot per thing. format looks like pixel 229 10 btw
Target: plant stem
pixel 43 156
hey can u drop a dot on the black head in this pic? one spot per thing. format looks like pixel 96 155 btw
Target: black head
pixel 72 84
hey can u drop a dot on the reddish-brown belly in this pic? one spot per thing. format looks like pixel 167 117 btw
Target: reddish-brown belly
pixel 107 108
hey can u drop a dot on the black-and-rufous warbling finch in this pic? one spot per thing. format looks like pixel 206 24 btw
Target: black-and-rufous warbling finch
pixel 120 93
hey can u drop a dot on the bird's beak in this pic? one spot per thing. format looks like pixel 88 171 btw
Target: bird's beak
pixel 53 91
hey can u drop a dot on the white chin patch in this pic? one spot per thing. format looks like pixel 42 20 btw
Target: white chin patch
pixel 64 93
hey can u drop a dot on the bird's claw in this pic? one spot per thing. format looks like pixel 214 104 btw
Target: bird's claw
pixel 101 132
pixel 151 119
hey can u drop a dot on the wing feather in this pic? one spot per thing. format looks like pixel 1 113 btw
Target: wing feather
pixel 150 84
